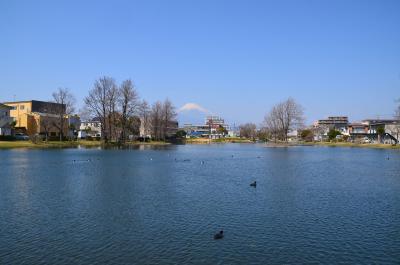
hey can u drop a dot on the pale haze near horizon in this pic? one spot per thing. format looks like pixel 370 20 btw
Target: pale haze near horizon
pixel 235 59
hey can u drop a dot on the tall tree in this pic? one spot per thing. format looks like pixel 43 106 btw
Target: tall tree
pixel 248 130
pixel 67 101
pixel 129 102
pixel 112 99
pixel 98 102
pixel 45 124
pixel 168 117
pixel 284 117
pixel 145 118
pixel 157 120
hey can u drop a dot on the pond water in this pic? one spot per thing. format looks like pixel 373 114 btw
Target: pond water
pixel 162 205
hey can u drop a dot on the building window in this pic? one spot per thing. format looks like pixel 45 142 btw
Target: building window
pixel 21 107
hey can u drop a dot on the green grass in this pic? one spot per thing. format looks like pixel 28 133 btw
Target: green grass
pixel 221 140
pixel 346 144
pixel 67 144
pixel 49 144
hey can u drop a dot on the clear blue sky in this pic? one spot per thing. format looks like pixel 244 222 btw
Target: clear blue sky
pixel 235 58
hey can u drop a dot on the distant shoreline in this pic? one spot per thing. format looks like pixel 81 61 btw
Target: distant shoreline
pixel 200 141
pixel 68 144
pixel 375 146
pixel 329 144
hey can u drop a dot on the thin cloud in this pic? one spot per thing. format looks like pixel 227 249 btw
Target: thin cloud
pixel 192 106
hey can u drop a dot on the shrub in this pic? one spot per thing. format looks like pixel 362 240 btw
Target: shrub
pixel 307 135
pixel 332 134
pixel 7 138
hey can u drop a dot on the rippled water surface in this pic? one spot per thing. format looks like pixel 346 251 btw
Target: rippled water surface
pixel 163 205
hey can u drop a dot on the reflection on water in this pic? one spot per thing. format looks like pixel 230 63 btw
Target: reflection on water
pixel 163 204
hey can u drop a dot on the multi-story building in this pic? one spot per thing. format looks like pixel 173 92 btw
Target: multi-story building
pixel 5 120
pixel 322 127
pixel 210 128
pixel 338 123
pixel 214 122
pixel 37 117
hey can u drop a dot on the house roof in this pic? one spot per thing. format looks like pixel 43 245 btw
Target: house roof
pixel 26 101
pixel 380 120
pixel 357 124
pixel 5 106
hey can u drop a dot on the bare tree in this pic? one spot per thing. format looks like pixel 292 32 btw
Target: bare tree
pixel 112 99
pixel 129 102
pixel 133 125
pixel 248 130
pixel 67 101
pixel 145 118
pixel 157 121
pixel 272 126
pixel 168 117
pixel 397 111
pixel 283 118
pixel 46 125
pixel 98 102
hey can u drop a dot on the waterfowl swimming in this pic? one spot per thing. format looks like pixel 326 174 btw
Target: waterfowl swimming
pixel 254 184
pixel 219 235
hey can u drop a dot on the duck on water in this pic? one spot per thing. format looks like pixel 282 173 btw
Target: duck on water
pixel 219 235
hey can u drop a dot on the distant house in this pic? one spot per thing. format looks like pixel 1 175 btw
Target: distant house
pixel 74 124
pixel 90 128
pixel 5 120
pixel 368 129
pixel 390 126
pixel 196 131
pixel 292 135
pixel 357 128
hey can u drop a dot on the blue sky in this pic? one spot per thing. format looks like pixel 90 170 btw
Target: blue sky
pixel 234 58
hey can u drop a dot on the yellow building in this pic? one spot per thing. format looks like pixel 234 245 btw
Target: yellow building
pixel 37 117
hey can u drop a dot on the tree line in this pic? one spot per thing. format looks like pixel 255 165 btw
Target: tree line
pixel 119 110
pixel 122 112
pixel 288 116
pixel 283 118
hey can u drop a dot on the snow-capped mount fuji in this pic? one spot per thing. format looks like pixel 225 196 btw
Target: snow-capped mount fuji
pixel 192 113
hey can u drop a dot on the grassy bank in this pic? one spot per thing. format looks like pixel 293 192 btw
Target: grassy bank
pixel 49 144
pixel 221 140
pixel 346 144
pixel 67 144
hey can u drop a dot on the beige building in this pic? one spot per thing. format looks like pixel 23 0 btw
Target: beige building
pixel 37 117
pixel 5 120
